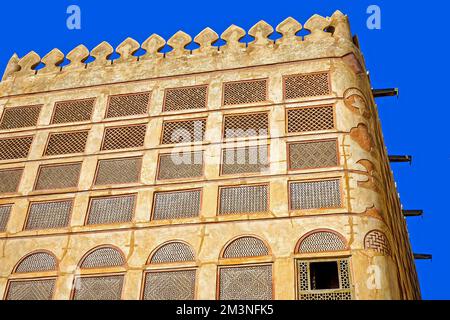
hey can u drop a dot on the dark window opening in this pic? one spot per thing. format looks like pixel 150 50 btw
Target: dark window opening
pixel 324 275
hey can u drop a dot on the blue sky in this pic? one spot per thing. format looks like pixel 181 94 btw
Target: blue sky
pixel 408 52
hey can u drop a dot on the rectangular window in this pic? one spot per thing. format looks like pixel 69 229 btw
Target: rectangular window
pixel 246 125
pixel 98 288
pixel 185 98
pixel 183 131
pixel 117 209
pixel 15 148
pixel 73 111
pixel 176 204
pixel 169 285
pixel 312 154
pixel 36 289
pixel 128 105
pixel 306 85
pixel 10 179
pixel 244 199
pixel 307 119
pixel 125 137
pixel 5 211
pixel 20 117
pixel 66 143
pixel 315 195
pixel 245 160
pixel 118 171
pixel 58 176
pixel 184 165
pixel 243 92
pixel 49 215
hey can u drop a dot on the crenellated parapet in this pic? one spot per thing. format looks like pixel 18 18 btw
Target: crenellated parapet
pixel 328 37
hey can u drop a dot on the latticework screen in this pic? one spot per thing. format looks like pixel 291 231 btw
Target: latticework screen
pixel 243 92
pixel 246 247
pixel 246 125
pixel 246 283
pixel 124 137
pixel 173 252
pixel 377 240
pixel 176 205
pixel 103 258
pixel 315 195
pixel 117 171
pixel 244 199
pixel 10 180
pixel 58 176
pixel 31 289
pixel 306 85
pixel 322 241
pixel 306 292
pixel 180 166
pixel 98 288
pixel 185 98
pixel 49 215
pixel 116 209
pixel 170 285
pixel 37 262
pixel 5 212
pixel 245 160
pixel 183 131
pixel 73 111
pixel 310 119
pixel 20 117
pixel 15 148
pixel 66 143
pixel 308 155
pixel 128 105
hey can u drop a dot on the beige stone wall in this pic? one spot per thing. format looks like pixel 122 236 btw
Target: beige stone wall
pixel 369 200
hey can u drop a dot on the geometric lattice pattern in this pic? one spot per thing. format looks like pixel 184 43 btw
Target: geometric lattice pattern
pixel 58 176
pixel 183 131
pixel 116 209
pixel 15 148
pixel 180 166
pixel 20 117
pixel 245 160
pixel 377 240
pixel 310 119
pixel 98 288
pixel 306 292
pixel 31 289
pixel 244 199
pixel 244 92
pixel 246 283
pixel 307 155
pixel 306 85
pixel 128 105
pixel 73 111
pixel 246 125
pixel 124 137
pixel 321 241
pixel 185 98
pixel 173 252
pixel 5 211
pixel 105 257
pixel 49 215
pixel 118 171
pixel 37 262
pixel 170 285
pixel 315 195
pixel 10 180
pixel 176 205
pixel 66 143
pixel 245 247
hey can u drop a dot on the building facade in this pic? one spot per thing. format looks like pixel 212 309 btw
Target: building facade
pixel 247 171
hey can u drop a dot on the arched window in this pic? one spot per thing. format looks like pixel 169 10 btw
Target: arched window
pixel 90 285
pixel 170 284
pixel 252 279
pixel 25 285
pixel 377 240
pixel 323 278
